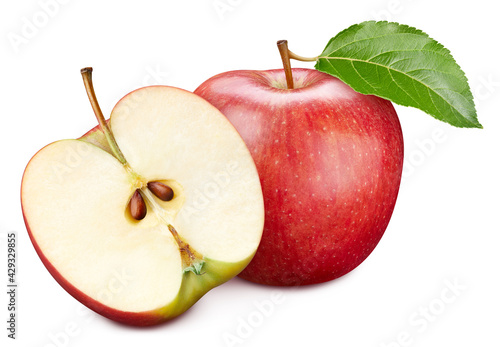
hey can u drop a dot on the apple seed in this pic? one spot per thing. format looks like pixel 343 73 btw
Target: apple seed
pixel 137 206
pixel 162 191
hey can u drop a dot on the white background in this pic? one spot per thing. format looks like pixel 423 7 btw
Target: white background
pixel 445 227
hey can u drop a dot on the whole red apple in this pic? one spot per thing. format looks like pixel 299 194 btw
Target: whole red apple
pixel 330 162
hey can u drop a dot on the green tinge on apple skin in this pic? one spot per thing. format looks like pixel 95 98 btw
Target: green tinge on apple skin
pixel 193 287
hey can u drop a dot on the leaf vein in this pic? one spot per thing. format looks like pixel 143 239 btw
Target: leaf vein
pixel 397 51
pixel 395 70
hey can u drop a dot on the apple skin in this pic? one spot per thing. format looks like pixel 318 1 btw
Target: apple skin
pixel 330 162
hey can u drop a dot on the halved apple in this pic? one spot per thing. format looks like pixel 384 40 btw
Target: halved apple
pixel 77 198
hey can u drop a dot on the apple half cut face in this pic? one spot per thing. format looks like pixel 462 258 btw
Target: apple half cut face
pixel 76 202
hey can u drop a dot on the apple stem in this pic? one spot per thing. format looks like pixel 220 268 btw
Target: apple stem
pixel 89 87
pixel 286 55
pixel 285 58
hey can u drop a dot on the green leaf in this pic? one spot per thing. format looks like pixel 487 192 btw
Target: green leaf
pixel 404 65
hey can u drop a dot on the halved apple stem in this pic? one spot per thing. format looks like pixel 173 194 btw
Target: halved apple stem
pixel 89 87
pixel 286 55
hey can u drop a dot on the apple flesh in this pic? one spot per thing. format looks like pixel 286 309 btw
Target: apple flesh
pixel 75 196
pixel 330 162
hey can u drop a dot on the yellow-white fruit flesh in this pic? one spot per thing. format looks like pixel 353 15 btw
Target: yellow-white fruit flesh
pixel 75 198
